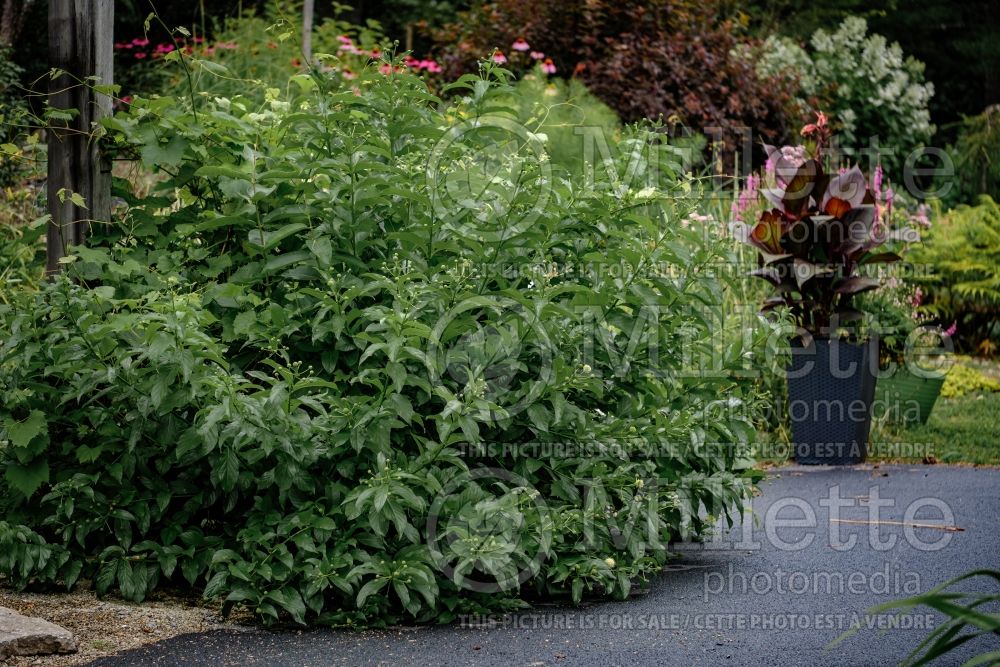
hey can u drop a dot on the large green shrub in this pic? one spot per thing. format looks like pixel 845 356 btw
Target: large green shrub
pixel 975 155
pixel 865 83
pixel 360 358
pixel 960 272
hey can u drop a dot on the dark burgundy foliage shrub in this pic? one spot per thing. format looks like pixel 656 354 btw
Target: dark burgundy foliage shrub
pixel 645 59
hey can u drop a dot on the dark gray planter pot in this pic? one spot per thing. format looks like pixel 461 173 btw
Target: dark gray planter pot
pixel 831 386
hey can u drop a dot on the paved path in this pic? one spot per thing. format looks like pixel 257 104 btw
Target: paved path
pixel 737 603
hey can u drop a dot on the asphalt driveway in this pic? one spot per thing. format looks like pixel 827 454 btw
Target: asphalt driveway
pixel 771 591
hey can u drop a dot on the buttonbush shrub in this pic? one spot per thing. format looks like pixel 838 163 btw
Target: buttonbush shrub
pixel 360 357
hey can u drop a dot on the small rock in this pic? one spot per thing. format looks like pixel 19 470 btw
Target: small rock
pixel 25 635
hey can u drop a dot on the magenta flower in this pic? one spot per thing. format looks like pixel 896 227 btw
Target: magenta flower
pixel 139 55
pixel 548 66
pixel 950 331
pixel 140 42
pixel 499 58
pixel 520 45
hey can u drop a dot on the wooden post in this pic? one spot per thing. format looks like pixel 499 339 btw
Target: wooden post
pixel 307 30
pixel 81 36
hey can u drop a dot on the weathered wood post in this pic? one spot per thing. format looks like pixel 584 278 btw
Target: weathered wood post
pixel 307 30
pixel 81 36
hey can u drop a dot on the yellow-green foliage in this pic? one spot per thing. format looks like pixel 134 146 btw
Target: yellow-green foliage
pixel 964 380
pixel 962 252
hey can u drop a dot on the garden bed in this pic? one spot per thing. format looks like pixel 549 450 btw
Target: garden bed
pixel 106 626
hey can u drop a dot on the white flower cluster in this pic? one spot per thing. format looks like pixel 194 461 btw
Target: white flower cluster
pixel 870 87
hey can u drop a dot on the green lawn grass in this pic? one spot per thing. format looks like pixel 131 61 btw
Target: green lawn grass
pixel 960 430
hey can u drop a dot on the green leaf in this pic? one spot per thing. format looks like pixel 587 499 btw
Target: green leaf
pixel 21 433
pixel 369 589
pixel 27 478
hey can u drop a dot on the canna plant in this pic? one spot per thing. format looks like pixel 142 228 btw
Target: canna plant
pixel 816 235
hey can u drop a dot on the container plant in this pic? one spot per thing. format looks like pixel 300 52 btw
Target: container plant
pixel 912 366
pixel 818 235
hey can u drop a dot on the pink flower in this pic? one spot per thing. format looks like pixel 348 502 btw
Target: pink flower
pixel 537 55
pixel 226 45
pixel 747 197
pixel 498 57
pixel 950 331
pixel 520 45
pixel 127 99
pixel 348 74
pixel 139 55
pixel 164 48
pixel 432 67
pixel 140 42
pixel 548 66
pixel 918 298
pixel 122 45
pixel 385 68
pixel 922 216
pixel 344 39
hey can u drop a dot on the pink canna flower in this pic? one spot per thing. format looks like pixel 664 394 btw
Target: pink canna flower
pixel 548 66
pixel 520 45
